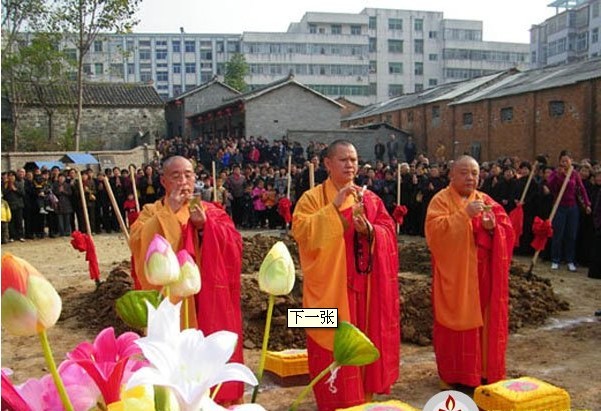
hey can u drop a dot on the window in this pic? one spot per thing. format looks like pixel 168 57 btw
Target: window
pixel 144 43
pixel 418 24
pixel 145 77
pixel 161 54
pixel 131 68
pixel 356 30
pixel 419 69
pixel 595 11
pixel 190 68
pixel 373 44
pixel 595 35
pixel 395 90
pixel 190 46
pixel 219 47
pixel 98 46
pixel 233 46
pixel 98 69
pixel 129 45
pixel 336 29
pixel 432 82
pixel 144 54
pixel 410 116
pixel 177 90
pixel 206 55
pixel 556 108
pixel 506 114
pixel 433 34
pixel 468 119
pixel 395 68
pixel 161 43
pixel 395 24
pixel 373 23
pixel 435 112
pixel 177 68
pixel 373 66
pixel 395 46
pixel 176 46
pixel 87 69
pixel 312 28
pixel 433 57
pixel 419 46
pixel 419 87
pixel 162 76
pixel 70 54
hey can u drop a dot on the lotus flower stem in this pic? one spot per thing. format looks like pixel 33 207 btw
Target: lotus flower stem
pixel 162 398
pixel 60 387
pixel 186 320
pixel 264 347
pixel 314 381
pixel 216 390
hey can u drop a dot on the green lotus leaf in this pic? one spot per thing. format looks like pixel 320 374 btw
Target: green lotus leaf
pixel 352 347
pixel 132 309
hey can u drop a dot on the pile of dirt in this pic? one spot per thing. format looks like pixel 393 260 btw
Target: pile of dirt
pixel 532 299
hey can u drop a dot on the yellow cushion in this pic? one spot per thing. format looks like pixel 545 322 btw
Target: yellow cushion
pixel 522 394
pixel 287 363
pixel 392 405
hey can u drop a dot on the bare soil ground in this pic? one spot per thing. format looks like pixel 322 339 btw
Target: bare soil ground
pixel 555 336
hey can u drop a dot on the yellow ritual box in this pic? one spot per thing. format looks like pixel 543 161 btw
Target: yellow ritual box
pixel 522 394
pixel 288 368
pixel 392 405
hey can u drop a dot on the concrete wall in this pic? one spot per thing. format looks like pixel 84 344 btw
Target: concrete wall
pixel 289 108
pixel 108 128
pixel 122 159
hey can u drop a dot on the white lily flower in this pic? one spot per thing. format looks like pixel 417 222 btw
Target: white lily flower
pixel 187 362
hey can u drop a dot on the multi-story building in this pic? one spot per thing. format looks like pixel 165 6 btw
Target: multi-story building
pixel 571 35
pixel 366 57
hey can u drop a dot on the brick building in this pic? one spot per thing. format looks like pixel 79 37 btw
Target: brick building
pixel 509 113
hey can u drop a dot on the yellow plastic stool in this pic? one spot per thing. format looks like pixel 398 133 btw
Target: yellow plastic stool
pixel 392 405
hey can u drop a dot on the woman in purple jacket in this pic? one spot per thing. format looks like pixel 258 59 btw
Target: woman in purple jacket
pixel 565 222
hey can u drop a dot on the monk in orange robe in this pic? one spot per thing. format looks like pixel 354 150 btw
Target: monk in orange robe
pixel 348 255
pixel 209 235
pixel 471 240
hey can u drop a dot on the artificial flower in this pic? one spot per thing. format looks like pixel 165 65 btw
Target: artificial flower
pixel 276 275
pixel 131 307
pixel 107 361
pixel 187 362
pixel 188 282
pixel 161 265
pixel 30 304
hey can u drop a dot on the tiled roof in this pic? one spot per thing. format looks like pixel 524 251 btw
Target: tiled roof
pixel 94 94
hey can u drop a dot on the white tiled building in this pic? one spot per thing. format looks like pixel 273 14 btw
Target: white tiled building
pixel 571 35
pixel 366 57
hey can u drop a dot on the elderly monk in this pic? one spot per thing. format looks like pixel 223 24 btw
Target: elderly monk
pixel 209 235
pixel 471 240
pixel 348 255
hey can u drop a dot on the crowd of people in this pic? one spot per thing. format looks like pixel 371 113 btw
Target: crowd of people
pixel 252 177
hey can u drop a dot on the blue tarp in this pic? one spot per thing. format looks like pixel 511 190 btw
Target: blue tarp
pixel 79 158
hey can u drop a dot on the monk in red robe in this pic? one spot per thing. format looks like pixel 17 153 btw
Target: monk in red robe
pixel 348 255
pixel 471 240
pixel 209 235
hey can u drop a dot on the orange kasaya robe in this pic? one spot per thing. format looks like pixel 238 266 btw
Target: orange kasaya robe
pixel 330 280
pixel 470 289
pixel 219 256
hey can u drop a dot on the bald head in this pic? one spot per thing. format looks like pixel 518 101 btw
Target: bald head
pixel 465 173
pixel 178 173
pixel 172 160
pixel 330 152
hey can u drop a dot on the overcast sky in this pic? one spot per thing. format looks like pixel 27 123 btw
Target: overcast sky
pixel 504 20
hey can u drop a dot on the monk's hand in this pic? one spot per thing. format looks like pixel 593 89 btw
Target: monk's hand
pixel 198 216
pixel 474 208
pixel 343 193
pixel 178 197
pixel 362 226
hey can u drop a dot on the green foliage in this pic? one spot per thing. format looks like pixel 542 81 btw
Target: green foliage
pixel 235 71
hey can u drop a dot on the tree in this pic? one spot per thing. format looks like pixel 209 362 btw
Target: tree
pixel 17 16
pixel 235 71
pixel 84 20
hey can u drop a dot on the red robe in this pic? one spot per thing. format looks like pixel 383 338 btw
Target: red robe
pixel 369 301
pixel 470 289
pixel 219 255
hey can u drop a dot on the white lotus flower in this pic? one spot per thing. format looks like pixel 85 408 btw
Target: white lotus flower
pixel 187 362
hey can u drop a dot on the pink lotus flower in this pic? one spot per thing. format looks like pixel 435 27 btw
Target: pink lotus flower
pixel 41 394
pixel 161 265
pixel 10 395
pixel 107 361
pixel 188 282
